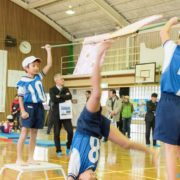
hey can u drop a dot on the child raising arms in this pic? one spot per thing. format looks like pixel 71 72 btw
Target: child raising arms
pixel 31 95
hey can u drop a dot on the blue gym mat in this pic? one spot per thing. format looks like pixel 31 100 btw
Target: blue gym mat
pixel 12 135
pixel 42 143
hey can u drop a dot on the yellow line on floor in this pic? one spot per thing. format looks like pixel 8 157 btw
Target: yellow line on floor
pixel 52 178
pixel 60 161
pixel 141 176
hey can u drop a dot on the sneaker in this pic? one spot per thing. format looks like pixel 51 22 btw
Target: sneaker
pixel 157 145
pixel 148 145
pixel 67 151
pixel 59 154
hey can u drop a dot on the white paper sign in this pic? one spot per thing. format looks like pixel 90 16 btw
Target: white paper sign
pixel 89 50
pixel 65 110
pixel 87 59
pixel 132 28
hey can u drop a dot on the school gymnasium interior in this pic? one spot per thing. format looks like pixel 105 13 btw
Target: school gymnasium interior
pixel 133 67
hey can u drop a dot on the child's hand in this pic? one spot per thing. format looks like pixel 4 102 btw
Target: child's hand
pixel 47 47
pixel 174 20
pixel 102 48
pixel 105 45
pixel 24 114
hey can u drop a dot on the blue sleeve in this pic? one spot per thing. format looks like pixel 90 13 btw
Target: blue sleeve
pixel 20 89
pixel 105 126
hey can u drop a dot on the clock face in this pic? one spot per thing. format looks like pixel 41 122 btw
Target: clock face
pixel 25 47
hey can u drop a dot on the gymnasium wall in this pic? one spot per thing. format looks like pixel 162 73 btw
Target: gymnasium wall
pixel 22 25
pixel 126 51
pixel 119 65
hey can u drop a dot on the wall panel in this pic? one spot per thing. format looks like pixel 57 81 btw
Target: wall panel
pixel 22 25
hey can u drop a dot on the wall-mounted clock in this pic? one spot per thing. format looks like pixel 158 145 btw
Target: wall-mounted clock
pixel 25 47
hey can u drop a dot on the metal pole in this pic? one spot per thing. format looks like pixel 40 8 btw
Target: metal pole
pixel 140 30
pixel 152 26
pixel 64 45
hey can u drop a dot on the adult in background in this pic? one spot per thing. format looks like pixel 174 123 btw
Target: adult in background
pixel 150 118
pixel 59 94
pixel 126 111
pixel 113 106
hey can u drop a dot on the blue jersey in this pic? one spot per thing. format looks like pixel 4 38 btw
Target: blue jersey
pixel 86 142
pixel 93 124
pixel 31 89
pixel 170 79
pixel 85 153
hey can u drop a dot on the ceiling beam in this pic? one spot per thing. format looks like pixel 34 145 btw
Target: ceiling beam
pixel 119 19
pixel 40 3
pixel 45 19
pixel 52 24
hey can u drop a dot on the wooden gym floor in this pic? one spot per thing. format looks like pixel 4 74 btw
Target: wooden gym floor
pixel 115 163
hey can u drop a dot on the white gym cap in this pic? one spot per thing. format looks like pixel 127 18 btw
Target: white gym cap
pixel 9 116
pixel 29 60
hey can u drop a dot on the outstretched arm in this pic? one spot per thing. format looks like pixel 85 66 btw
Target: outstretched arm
pixel 49 59
pixel 93 103
pixel 117 137
pixel 164 33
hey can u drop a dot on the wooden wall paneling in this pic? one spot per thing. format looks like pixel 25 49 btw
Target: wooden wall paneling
pixel 22 25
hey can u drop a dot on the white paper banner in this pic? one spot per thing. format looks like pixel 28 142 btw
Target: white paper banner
pixel 65 110
pixel 89 50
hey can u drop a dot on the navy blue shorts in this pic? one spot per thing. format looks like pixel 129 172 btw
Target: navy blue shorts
pixel 94 124
pixel 36 116
pixel 167 125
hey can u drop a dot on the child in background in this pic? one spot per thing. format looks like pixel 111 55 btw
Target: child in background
pixel 15 110
pixel 7 126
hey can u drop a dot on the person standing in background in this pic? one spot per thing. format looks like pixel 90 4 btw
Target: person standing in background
pixel 113 106
pixel 59 94
pixel 150 118
pixel 127 110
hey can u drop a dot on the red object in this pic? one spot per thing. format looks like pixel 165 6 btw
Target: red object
pixel 8 128
pixel 15 105
pixel 5 139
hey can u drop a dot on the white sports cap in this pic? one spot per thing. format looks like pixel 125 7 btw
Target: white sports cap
pixel 9 116
pixel 29 60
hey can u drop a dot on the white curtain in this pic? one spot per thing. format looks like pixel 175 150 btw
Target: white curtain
pixel 3 74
